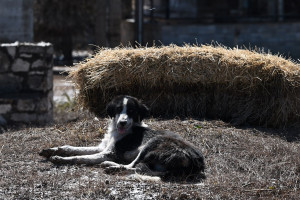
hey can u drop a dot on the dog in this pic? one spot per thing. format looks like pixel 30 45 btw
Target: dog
pixel 131 146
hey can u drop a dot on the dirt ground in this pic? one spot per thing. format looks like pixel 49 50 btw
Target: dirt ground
pixel 241 162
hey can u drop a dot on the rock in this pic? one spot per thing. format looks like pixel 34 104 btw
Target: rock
pixel 4 62
pixel 49 79
pixel 45 118
pixel 31 49
pixel 38 64
pixel 10 83
pixel 26 104
pixel 50 50
pixel 5 108
pixel 36 72
pixel 11 50
pixel 36 82
pixel 20 65
pixel 23 117
pixel 25 55
pixel 43 105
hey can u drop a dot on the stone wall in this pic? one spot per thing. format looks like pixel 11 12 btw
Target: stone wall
pixel 26 82
pixel 278 37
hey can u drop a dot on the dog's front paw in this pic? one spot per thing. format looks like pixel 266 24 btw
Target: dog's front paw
pixel 49 152
pixel 106 164
pixel 112 167
pixel 57 159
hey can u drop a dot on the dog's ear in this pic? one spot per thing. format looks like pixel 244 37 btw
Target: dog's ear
pixel 110 109
pixel 144 111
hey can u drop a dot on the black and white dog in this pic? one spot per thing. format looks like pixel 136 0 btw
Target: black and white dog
pixel 131 145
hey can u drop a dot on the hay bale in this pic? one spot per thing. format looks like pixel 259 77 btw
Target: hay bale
pixel 236 85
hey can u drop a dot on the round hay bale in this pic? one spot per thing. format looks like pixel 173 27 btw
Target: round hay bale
pixel 236 85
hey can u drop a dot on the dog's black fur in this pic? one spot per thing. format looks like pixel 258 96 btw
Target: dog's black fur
pixel 132 146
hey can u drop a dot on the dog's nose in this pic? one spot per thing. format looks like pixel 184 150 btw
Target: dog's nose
pixel 123 123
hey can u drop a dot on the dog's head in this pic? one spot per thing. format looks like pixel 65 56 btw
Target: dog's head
pixel 126 111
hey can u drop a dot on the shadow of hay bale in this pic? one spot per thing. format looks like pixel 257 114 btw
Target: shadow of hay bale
pixel 235 85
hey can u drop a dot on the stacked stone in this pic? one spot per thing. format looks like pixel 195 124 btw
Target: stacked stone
pixel 26 82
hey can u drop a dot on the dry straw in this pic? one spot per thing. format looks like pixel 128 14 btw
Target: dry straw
pixel 238 85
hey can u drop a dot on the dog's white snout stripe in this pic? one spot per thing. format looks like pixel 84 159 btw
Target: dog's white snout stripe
pixel 123 118
pixel 123 115
pixel 125 100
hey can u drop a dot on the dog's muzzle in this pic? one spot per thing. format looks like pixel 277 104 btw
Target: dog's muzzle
pixel 122 126
pixel 123 123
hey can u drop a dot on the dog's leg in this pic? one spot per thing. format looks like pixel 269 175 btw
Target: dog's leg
pixel 139 173
pixel 113 166
pixel 106 154
pixel 83 159
pixel 72 151
pixel 69 151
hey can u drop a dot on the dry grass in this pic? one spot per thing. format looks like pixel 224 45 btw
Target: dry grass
pixel 235 85
pixel 242 163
